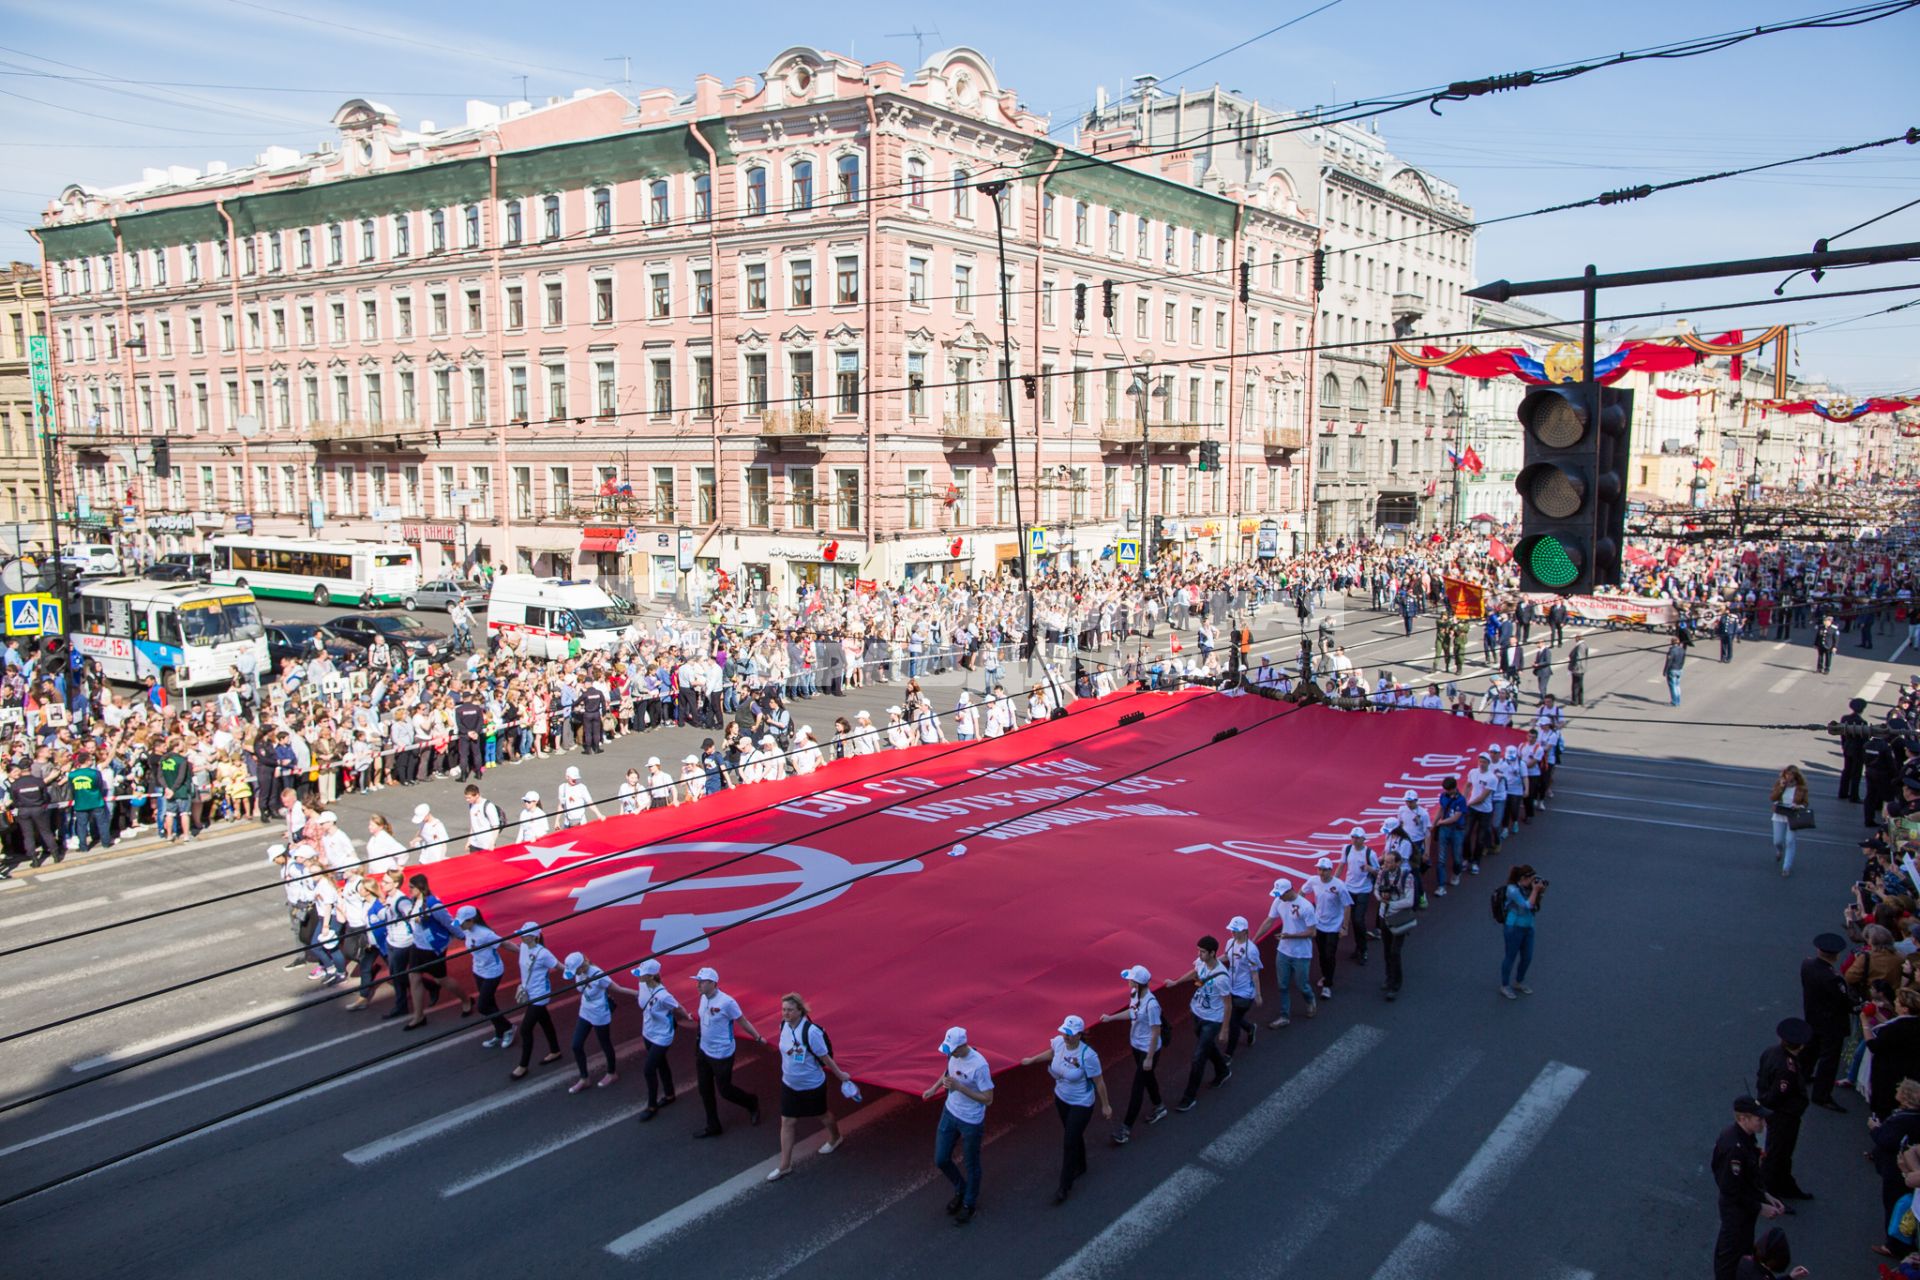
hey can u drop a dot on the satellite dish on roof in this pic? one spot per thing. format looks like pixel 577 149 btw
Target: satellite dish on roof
pixel 248 425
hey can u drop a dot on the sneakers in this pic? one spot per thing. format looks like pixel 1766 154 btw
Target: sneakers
pixel 964 1216
pixel 1475 868
pixel 957 1203
pixel 1121 1136
pixel 1523 988
pixel 1326 991
pixel 1440 892
pixel 491 1042
pixel 507 1039
pixel 606 1080
pixel 579 1086
pixel 1159 1114
pixel 1224 1077
pixel 1186 1104
pixel 1313 1008
pixel 1509 993
pixel 1279 1022
pixel 334 979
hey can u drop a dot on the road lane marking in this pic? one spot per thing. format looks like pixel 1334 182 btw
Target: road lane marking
pixel 427 1130
pixel 1306 1221
pixel 544 1150
pixel 1895 655
pixel 1119 1245
pixel 1255 1129
pixel 67 909
pixel 1351 1177
pixel 688 1213
pixel 176 1094
pixel 1418 1254
pixel 790 1258
pixel 1873 684
pixel 1757 833
pixel 1785 682
pixel 165 886
pixel 1472 1191
pixel 139 1047
pixel 141 957
pixel 1608 795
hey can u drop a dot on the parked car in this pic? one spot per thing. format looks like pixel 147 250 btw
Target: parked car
pixel 197 564
pixel 441 593
pixel 296 640
pixel 90 559
pixel 170 571
pixel 404 633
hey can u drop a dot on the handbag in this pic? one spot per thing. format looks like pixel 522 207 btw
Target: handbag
pixel 1398 923
pixel 1800 818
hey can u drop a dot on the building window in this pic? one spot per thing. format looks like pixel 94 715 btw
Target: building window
pixel 917 182
pixel 472 220
pixel 703 384
pixel 846 382
pixel 917 281
pixel 659 295
pixel 706 495
pixel 476 394
pixel 846 279
pixel 756 189
pixel 663 495
pixel 556 391
pixel 606 394
pixel 602 210
pixel 442 396
pixel 916 384
pixel 801 182
pixel 962 288
pixel 800 274
pixel 702 197
pixel 1048 223
pixel 846 498
pixel 756 287
pixel 523 493
pixel 367 240
pixel 659 205
pixel 962 195
pixel 516 223
pixel 703 291
pixel 916 497
pixel 518 400
pixel 800 367
pixel 550 217
pixel 662 380
pixel 756 385
pixel 602 299
pixel 846 179
pixel 437 231
pixel 759 508
pixel 559 490
pixel 555 309
pixel 1082 224
pixel 801 504
pixel 402 235
pixel 402 316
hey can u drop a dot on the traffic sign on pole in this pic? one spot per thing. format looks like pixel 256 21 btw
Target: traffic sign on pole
pixel 1037 541
pixel 53 617
pixel 1128 551
pixel 24 612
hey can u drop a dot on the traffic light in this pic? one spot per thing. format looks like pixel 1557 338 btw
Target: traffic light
pixel 1246 280
pixel 1571 483
pixel 1080 304
pixel 1209 455
pixel 162 457
pixel 1319 270
pixel 1106 299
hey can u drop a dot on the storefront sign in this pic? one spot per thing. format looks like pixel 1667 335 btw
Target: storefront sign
pixel 170 523
pixel 429 533
pixel 1268 545
pixel 243 523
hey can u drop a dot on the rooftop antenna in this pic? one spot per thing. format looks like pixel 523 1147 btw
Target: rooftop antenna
pixel 523 89
pixel 626 69
pixel 919 39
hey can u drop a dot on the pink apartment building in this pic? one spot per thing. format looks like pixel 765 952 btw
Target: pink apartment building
pixel 762 320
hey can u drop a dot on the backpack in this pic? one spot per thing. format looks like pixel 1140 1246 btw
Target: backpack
pixel 800 1038
pixel 1500 906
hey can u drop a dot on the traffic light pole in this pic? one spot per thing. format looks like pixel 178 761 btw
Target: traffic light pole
pixel 993 190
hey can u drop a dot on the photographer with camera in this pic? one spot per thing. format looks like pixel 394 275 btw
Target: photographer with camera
pixel 1519 902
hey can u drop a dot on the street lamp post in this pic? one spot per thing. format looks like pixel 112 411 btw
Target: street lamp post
pixel 1143 390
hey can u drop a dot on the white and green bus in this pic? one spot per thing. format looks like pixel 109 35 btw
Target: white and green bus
pixel 183 634
pixel 352 573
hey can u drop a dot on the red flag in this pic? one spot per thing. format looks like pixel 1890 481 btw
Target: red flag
pixel 1433 487
pixel 1675 555
pixel 1705 464
pixel 1498 551
pixel 1471 461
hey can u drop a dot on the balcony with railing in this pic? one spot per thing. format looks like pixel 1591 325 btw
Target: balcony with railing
pixel 1285 438
pixel 380 434
pixel 797 425
pixel 1127 431
pixel 964 430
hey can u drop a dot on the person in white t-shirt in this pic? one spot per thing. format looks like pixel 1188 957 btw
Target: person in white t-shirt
pixel 1479 788
pixel 533 819
pixel 1146 1033
pixel 963 1120
pixel 660 785
pixel 1292 916
pixel 433 839
pixel 1359 863
pixel 1077 1082
pixel 573 802
pixel 657 1010
pixel 632 796
pixel 1331 902
pixel 806 752
pixel 384 851
pixel 483 820
pixel 1209 1006
pixel 713 1060
pixel 596 1016
pixel 805 1058
pixel 1242 959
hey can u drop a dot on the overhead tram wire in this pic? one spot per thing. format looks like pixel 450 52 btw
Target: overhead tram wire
pixel 567 988
pixel 263 1019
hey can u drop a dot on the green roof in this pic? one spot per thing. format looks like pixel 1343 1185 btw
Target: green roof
pixel 1116 186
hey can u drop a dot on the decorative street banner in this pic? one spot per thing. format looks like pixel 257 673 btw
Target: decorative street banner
pixel 1465 599
pixel 1561 362
pixel 998 885
pixel 1839 408
pixel 1638 611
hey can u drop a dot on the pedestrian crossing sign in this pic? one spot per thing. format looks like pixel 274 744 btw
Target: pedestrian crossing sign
pixel 53 621
pixel 26 613
pixel 1128 551
pixel 1036 541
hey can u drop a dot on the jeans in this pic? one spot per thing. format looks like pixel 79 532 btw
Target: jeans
pixel 1145 1085
pixel 1206 1048
pixel 1390 945
pixel 1673 687
pixel 1362 905
pixel 1287 968
pixel 1448 842
pixel 1237 1021
pixel 94 826
pixel 1520 947
pixel 1073 1145
pixel 1784 842
pixel 953 1130
pixel 1326 945
pixel 659 1073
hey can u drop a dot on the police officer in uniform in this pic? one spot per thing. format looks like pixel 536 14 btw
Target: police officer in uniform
pixel 1781 1083
pixel 1827 1007
pixel 469 723
pixel 1852 750
pixel 1736 1172
pixel 1881 766
pixel 593 709
pixel 33 810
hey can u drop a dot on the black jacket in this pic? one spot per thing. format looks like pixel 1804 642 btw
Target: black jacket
pixel 1824 1000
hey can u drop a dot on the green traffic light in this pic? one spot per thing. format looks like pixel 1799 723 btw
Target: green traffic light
pixel 1549 561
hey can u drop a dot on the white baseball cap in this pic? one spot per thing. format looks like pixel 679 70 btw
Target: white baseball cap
pixel 1281 888
pixel 576 961
pixel 708 974
pixel 1237 925
pixel 652 761
pixel 1072 1025
pixel 531 926
pixel 328 816
pixel 1358 833
pixel 1324 864
pixel 573 771
pixel 1391 824
pixel 647 969
pixel 1138 973
pixel 1413 797
pixel 531 795
pixel 689 759
pixel 955 1037
pixel 466 913
pixel 421 812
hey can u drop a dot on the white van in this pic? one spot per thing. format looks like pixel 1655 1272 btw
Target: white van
pixel 539 616
pixel 90 559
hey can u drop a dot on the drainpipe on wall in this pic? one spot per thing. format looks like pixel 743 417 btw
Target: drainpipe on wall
pixel 126 352
pixel 240 346
pixel 866 337
pixel 1236 322
pixel 713 335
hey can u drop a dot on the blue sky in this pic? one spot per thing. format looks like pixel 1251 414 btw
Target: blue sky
pixel 284 67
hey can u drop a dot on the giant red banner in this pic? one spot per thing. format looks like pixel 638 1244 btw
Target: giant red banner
pixel 999 885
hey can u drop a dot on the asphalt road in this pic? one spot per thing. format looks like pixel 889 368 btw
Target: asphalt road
pixel 1451 1134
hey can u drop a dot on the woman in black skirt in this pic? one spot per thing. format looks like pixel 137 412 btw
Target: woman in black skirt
pixel 806 1055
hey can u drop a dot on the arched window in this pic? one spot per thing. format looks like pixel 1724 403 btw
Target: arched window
pixel 1360 401
pixel 757 189
pixel 1330 392
pixel 702 197
pixel 659 206
pixel 550 217
pixel 962 194
pixel 802 184
pixel 846 179
pixel 516 229
pixel 917 182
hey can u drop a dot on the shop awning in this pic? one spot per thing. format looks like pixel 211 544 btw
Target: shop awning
pixel 599 545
